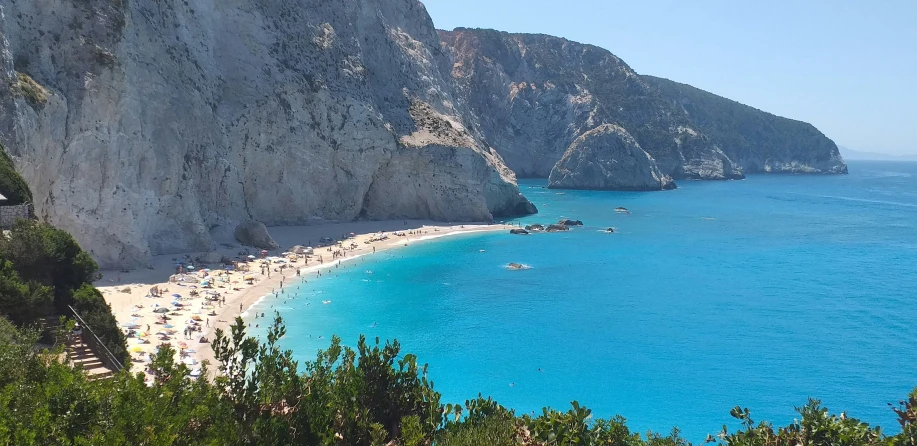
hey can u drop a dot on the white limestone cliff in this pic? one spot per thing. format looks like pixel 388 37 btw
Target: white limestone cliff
pixel 170 121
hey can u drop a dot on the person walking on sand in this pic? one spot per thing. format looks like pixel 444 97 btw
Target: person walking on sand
pixel 208 322
pixel 240 308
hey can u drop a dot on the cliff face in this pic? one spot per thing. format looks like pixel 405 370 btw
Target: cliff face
pixel 607 158
pixel 757 141
pixel 150 127
pixel 536 94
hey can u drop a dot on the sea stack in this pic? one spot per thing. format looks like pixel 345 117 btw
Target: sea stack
pixel 608 158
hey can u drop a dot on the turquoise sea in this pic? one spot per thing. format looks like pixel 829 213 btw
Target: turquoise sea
pixel 761 293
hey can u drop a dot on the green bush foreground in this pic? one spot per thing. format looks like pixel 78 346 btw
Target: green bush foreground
pixel 374 395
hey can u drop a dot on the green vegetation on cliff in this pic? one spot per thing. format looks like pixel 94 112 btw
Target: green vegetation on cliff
pixel 12 186
pixel 43 271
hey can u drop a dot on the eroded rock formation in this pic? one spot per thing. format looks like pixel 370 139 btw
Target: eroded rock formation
pixel 155 127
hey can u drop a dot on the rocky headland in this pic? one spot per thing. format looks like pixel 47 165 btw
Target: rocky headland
pixel 148 128
pixel 534 95
pixel 607 158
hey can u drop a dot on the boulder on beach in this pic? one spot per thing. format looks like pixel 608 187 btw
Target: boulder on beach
pixel 254 233
pixel 211 257
pixel 535 227
pixel 518 231
pixel 570 222
pixel 557 227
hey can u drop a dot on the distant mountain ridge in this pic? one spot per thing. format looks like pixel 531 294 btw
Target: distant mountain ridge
pixel 851 154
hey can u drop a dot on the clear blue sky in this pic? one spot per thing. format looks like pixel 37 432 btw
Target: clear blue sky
pixel 848 67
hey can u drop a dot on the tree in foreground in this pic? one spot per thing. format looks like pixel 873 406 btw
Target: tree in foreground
pixel 373 395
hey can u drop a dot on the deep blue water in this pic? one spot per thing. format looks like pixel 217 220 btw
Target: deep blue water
pixel 761 293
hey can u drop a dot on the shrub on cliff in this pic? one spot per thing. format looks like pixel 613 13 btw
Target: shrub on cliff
pixel 91 306
pixel 46 265
pixel 50 256
pixel 12 186
pixel 20 302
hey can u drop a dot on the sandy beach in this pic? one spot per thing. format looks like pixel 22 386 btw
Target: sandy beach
pixel 137 308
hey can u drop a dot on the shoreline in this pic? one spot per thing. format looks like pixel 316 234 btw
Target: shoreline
pixel 125 291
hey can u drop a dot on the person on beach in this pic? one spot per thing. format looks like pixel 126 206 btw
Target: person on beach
pixel 208 322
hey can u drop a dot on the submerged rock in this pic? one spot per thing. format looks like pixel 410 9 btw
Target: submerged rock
pixel 608 158
pixel 518 231
pixel 570 222
pixel 556 228
pixel 535 227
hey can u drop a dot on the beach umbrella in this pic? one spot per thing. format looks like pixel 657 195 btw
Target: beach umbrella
pixel 189 361
pixel 161 310
pixel 136 349
pixel 195 373
pixel 264 251
pixel 190 266
pixel 130 325
pixel 195 317
pixel 175 295
pixel 160 333
pixel 168 326
pixel 182 345
pixel 251 257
